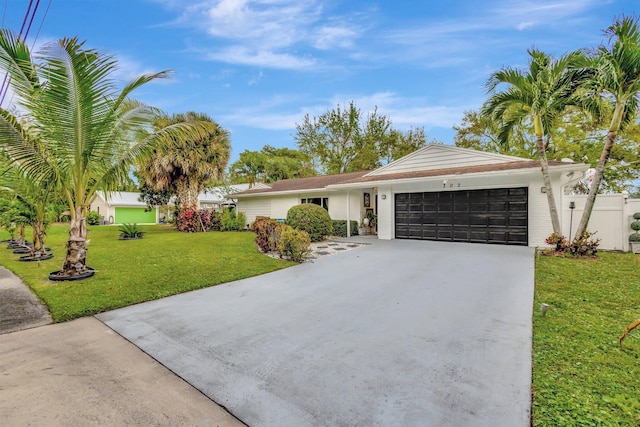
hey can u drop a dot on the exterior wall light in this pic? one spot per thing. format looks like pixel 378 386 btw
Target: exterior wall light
pixel 384 197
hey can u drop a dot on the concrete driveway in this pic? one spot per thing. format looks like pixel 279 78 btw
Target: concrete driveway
pixel 398 333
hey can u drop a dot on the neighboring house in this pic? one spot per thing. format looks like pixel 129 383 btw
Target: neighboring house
pixel 439 192
pixel 123 207
pixel 218 197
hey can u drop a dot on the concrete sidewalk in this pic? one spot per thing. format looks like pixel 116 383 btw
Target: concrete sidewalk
pixel 81 373
pixel 19 308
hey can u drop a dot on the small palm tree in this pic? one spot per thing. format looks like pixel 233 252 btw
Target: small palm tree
pixel 84 126
pixel 540 95
pixel 617 79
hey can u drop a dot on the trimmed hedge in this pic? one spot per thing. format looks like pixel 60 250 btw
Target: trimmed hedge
pixel 340 227
pixel 311 218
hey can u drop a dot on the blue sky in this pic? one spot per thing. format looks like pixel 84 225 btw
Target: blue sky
pixel 257 67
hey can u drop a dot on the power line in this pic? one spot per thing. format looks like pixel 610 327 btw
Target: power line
pixel 41 24
pixel 4 89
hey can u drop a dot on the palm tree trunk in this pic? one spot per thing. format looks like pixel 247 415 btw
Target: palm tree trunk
pixel 595 184
pixel 76 258
pixel 544 164
pixel 38 238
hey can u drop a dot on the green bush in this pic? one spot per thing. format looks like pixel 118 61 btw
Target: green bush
pixel 312 219
pixel 636 215
pixel 340 228
pixel 293 244
pixel 231 220
pixel 241 220
pixel 93 218
pixel 130 231
pixel 267 233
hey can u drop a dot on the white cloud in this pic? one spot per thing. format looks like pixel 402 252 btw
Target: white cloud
pixel 264 58
pixel 255 80
pixel 278 113
pixel 269 33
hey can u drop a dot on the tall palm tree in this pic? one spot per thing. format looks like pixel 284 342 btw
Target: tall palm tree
pixel 83 124
pixel 184 164
pixel 540 95
pixel 617 80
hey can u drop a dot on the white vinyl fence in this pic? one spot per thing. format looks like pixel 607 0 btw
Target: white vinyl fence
pixel 611 218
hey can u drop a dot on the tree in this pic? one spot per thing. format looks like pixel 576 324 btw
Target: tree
pixel 342 140
pixel 184 164
pixel 398 144
pixel 84 126
pixel 28 202
pixel 617 79
pixel 271 164
pixel 575 137
pixel 481 132
pixel 540 95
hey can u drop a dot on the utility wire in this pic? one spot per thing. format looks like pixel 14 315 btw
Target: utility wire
pixel 5 86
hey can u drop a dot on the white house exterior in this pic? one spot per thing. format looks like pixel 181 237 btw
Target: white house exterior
pixel 219 197
pixel 439 192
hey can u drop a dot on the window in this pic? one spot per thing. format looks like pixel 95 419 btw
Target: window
pixel 320 201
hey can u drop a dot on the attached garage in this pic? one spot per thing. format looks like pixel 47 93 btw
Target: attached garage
pixel 475 216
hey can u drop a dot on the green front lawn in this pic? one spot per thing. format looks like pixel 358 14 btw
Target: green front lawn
pixel 580 375
pixel 164 263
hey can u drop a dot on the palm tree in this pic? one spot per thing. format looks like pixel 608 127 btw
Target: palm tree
pixel 540 95
pixel 185 165
pixel 83 124
pixel 616 79
pixel 30 202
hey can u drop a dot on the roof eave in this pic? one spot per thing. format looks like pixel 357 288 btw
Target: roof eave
pixel 521 171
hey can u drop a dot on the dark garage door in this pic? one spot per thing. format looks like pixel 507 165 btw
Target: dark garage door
pixel 477 216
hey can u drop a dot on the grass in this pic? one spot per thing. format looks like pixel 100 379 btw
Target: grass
pixel 580 375
pixel 164 263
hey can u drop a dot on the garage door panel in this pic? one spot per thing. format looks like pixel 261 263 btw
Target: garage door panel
pixel 482 216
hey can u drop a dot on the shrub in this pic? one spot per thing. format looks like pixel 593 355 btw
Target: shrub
pixel 188 221
pixel 228 220
pixel 340 227
pixel 267 233
pixel 559 242
pixel 191 221
pixel 294 244
pixel 93 218
pixel 584 245
pixel 241 220
pixel 636 215
pixel 312 219
pixel 130 231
